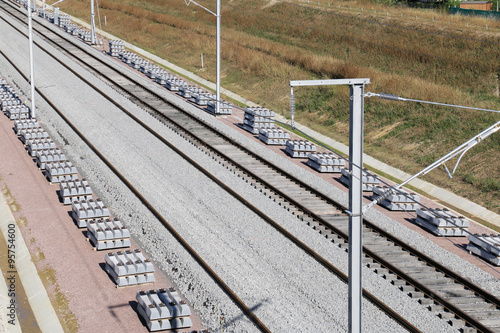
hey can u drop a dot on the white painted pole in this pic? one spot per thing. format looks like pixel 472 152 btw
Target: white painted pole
pixel 92 21
pixel 32 78
pixel 356 207
pixel 202 60
pixel 217 110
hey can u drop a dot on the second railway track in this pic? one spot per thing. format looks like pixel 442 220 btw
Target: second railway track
pixel 443 291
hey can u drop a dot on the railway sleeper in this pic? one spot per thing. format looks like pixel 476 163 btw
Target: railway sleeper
pixel 485 314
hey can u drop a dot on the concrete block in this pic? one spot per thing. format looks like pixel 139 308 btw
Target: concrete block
pixel 89 209
pixel 163 309
pixel 440 231
pixel 224 108
pixel 25 124
pixel 129 267
pixel 369 181
pixel 490 243
pixel 326 162
pixel 44 156
pixel 59 171
pixel 443 218
pixel 486 255
pixel 107 234
pixel 74 190
pixel 34 145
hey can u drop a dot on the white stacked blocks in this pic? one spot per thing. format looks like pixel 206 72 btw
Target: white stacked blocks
pixel 32 133
pixel 85 210
pixel 45 156
pixel 129 268
pixel 163 77
pixel 369 181
pixel 299 148
pixel 116 47
pixel 17 112
pixel 396 200
pixel 59 171
pixel 186 91
pixel 326 162
pixel 107 234
pixel 274 136
pixel 34 145
pixel 75 190
pixel 486 247
pixel 224 108
pixel 20 125
pixel 201 98
pixel 163 309
pixel 174 84
pixel 442 222
pixel 257 118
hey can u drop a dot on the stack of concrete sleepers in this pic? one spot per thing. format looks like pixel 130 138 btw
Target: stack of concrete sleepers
pixel 74 190
pixel 116 47
pixel 34 145
pixel 147 66
pixel 45 156
pixel 299 148
pixel 59 171
pixel 201 98
pixel 25 124
pixel 16 112
pixel 64 20
pixel 8 100
pixel 163 309
pixel 174 84
pixel 396 200
pixel 162 77
pixel 107 234
pixel 126 56
pixel 326 162
pixel 85 210
pixel 70 28
pixel 32 133
pixel 224 108
pixel 274 136
pixel 368 181
pixel 129 268
pixel 257 118
pixel 442 222
pixel 186 91
pixel 486 247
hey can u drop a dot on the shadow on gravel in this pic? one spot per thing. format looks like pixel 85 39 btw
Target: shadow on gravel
pixel 253 309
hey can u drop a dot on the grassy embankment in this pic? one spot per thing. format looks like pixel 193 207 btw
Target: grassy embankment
pixel 418 54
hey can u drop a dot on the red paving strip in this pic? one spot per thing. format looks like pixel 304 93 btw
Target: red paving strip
pixel 93 298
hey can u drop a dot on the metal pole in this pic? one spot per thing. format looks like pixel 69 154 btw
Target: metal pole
pixel 92 21
pixel 355 206
pixel 217 111
pixel 32 78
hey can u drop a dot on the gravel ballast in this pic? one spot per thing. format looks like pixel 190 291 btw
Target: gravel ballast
pixel 287 288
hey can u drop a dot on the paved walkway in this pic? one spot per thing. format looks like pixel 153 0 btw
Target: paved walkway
pixel 37 296
pixel 443 195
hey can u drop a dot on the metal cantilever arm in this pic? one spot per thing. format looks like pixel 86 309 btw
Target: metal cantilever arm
pixel 462 149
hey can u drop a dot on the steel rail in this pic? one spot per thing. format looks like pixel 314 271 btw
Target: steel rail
pixel 437 266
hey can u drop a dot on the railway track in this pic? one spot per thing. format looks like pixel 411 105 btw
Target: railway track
pixel 438 288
